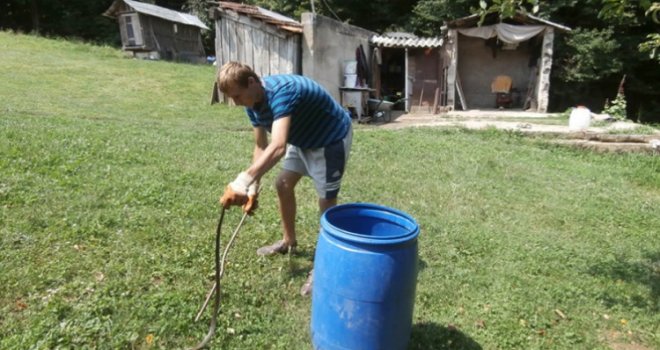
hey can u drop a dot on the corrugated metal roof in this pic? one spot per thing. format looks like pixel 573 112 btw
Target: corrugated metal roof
pixel 519 16
pixel 405 41
pixel 164 13
pixel 262 14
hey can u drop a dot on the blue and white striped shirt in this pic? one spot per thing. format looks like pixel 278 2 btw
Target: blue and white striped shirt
pixel 317 120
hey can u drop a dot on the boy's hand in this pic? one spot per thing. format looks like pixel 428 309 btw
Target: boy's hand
pixel 236 192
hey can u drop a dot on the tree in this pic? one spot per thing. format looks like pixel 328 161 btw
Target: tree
pixel 80 19
pixel 611 38
pixel 430 15
pixel 507 8
pixel 593 56
pixel 635 26
pixel 375 15
pixel 22 15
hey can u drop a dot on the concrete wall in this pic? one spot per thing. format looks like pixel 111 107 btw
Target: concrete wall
pixel 326 45
pixel 478 66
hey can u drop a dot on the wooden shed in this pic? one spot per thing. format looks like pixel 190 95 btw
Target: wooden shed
pixel 409 68
pixel 265 40
pixel 502 63
pixel 155 32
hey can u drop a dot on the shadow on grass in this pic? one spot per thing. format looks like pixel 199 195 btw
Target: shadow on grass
pixel 306 253
pixel 299 264
pixel 421 264
pixel 432 336
pixel 644 273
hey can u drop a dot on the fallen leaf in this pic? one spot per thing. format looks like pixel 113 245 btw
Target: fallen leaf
pixel 560 314
pixel 49 293
pixel 156 280
pixel 21 305
pixel 540 332
pixel 149 339
pixel 624 321
pixel 480 324
pixel 99 276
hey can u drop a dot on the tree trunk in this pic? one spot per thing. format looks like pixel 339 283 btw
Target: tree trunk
pixel 34 8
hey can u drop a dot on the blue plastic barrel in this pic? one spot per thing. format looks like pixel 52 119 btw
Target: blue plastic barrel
pixel 365 274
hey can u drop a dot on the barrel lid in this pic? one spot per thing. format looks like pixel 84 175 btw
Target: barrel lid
pixel 369 223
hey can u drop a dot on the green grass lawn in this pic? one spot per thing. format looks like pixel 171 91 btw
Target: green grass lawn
pixel 110 171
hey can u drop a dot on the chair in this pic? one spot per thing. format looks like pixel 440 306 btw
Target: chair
pixel 501 87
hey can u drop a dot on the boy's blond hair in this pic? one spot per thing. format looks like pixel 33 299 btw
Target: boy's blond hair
pixel 234 72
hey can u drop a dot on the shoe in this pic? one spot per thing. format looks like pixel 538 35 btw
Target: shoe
pixel 277 247
pixel 306 288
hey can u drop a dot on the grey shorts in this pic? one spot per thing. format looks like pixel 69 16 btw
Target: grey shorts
pixel 324 165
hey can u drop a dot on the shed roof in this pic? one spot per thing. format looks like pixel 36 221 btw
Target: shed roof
pixel 156 11
pixel 401 40
pixel 267 16
pixel 519 17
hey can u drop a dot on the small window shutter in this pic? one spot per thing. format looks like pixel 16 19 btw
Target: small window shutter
pixel 131 32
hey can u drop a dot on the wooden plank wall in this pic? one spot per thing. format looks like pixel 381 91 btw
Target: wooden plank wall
pixel 184 45
pixel 265 48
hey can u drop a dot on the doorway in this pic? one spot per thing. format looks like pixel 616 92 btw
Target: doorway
pixel 393 75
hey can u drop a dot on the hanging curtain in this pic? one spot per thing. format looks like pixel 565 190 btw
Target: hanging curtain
pixel 507 33
pixel 483 32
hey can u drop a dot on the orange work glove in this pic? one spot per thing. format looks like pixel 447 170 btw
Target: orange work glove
pixel 236 191
pixel 252 202
pixel 231 197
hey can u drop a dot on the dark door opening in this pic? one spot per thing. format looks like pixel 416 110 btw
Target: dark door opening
pixel 393 76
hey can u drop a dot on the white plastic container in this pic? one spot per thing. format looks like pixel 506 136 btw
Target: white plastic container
pixel 580 118
pixel 350 80
pixel 350 67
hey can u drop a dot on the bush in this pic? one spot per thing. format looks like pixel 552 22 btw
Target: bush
pixel 616 108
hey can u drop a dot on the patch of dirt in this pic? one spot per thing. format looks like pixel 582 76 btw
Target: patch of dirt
pixel 619 341
pixel 597 138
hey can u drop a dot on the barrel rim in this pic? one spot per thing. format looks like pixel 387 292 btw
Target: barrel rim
pixel 337 232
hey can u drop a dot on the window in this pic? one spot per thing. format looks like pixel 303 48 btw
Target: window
pixel 131 30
